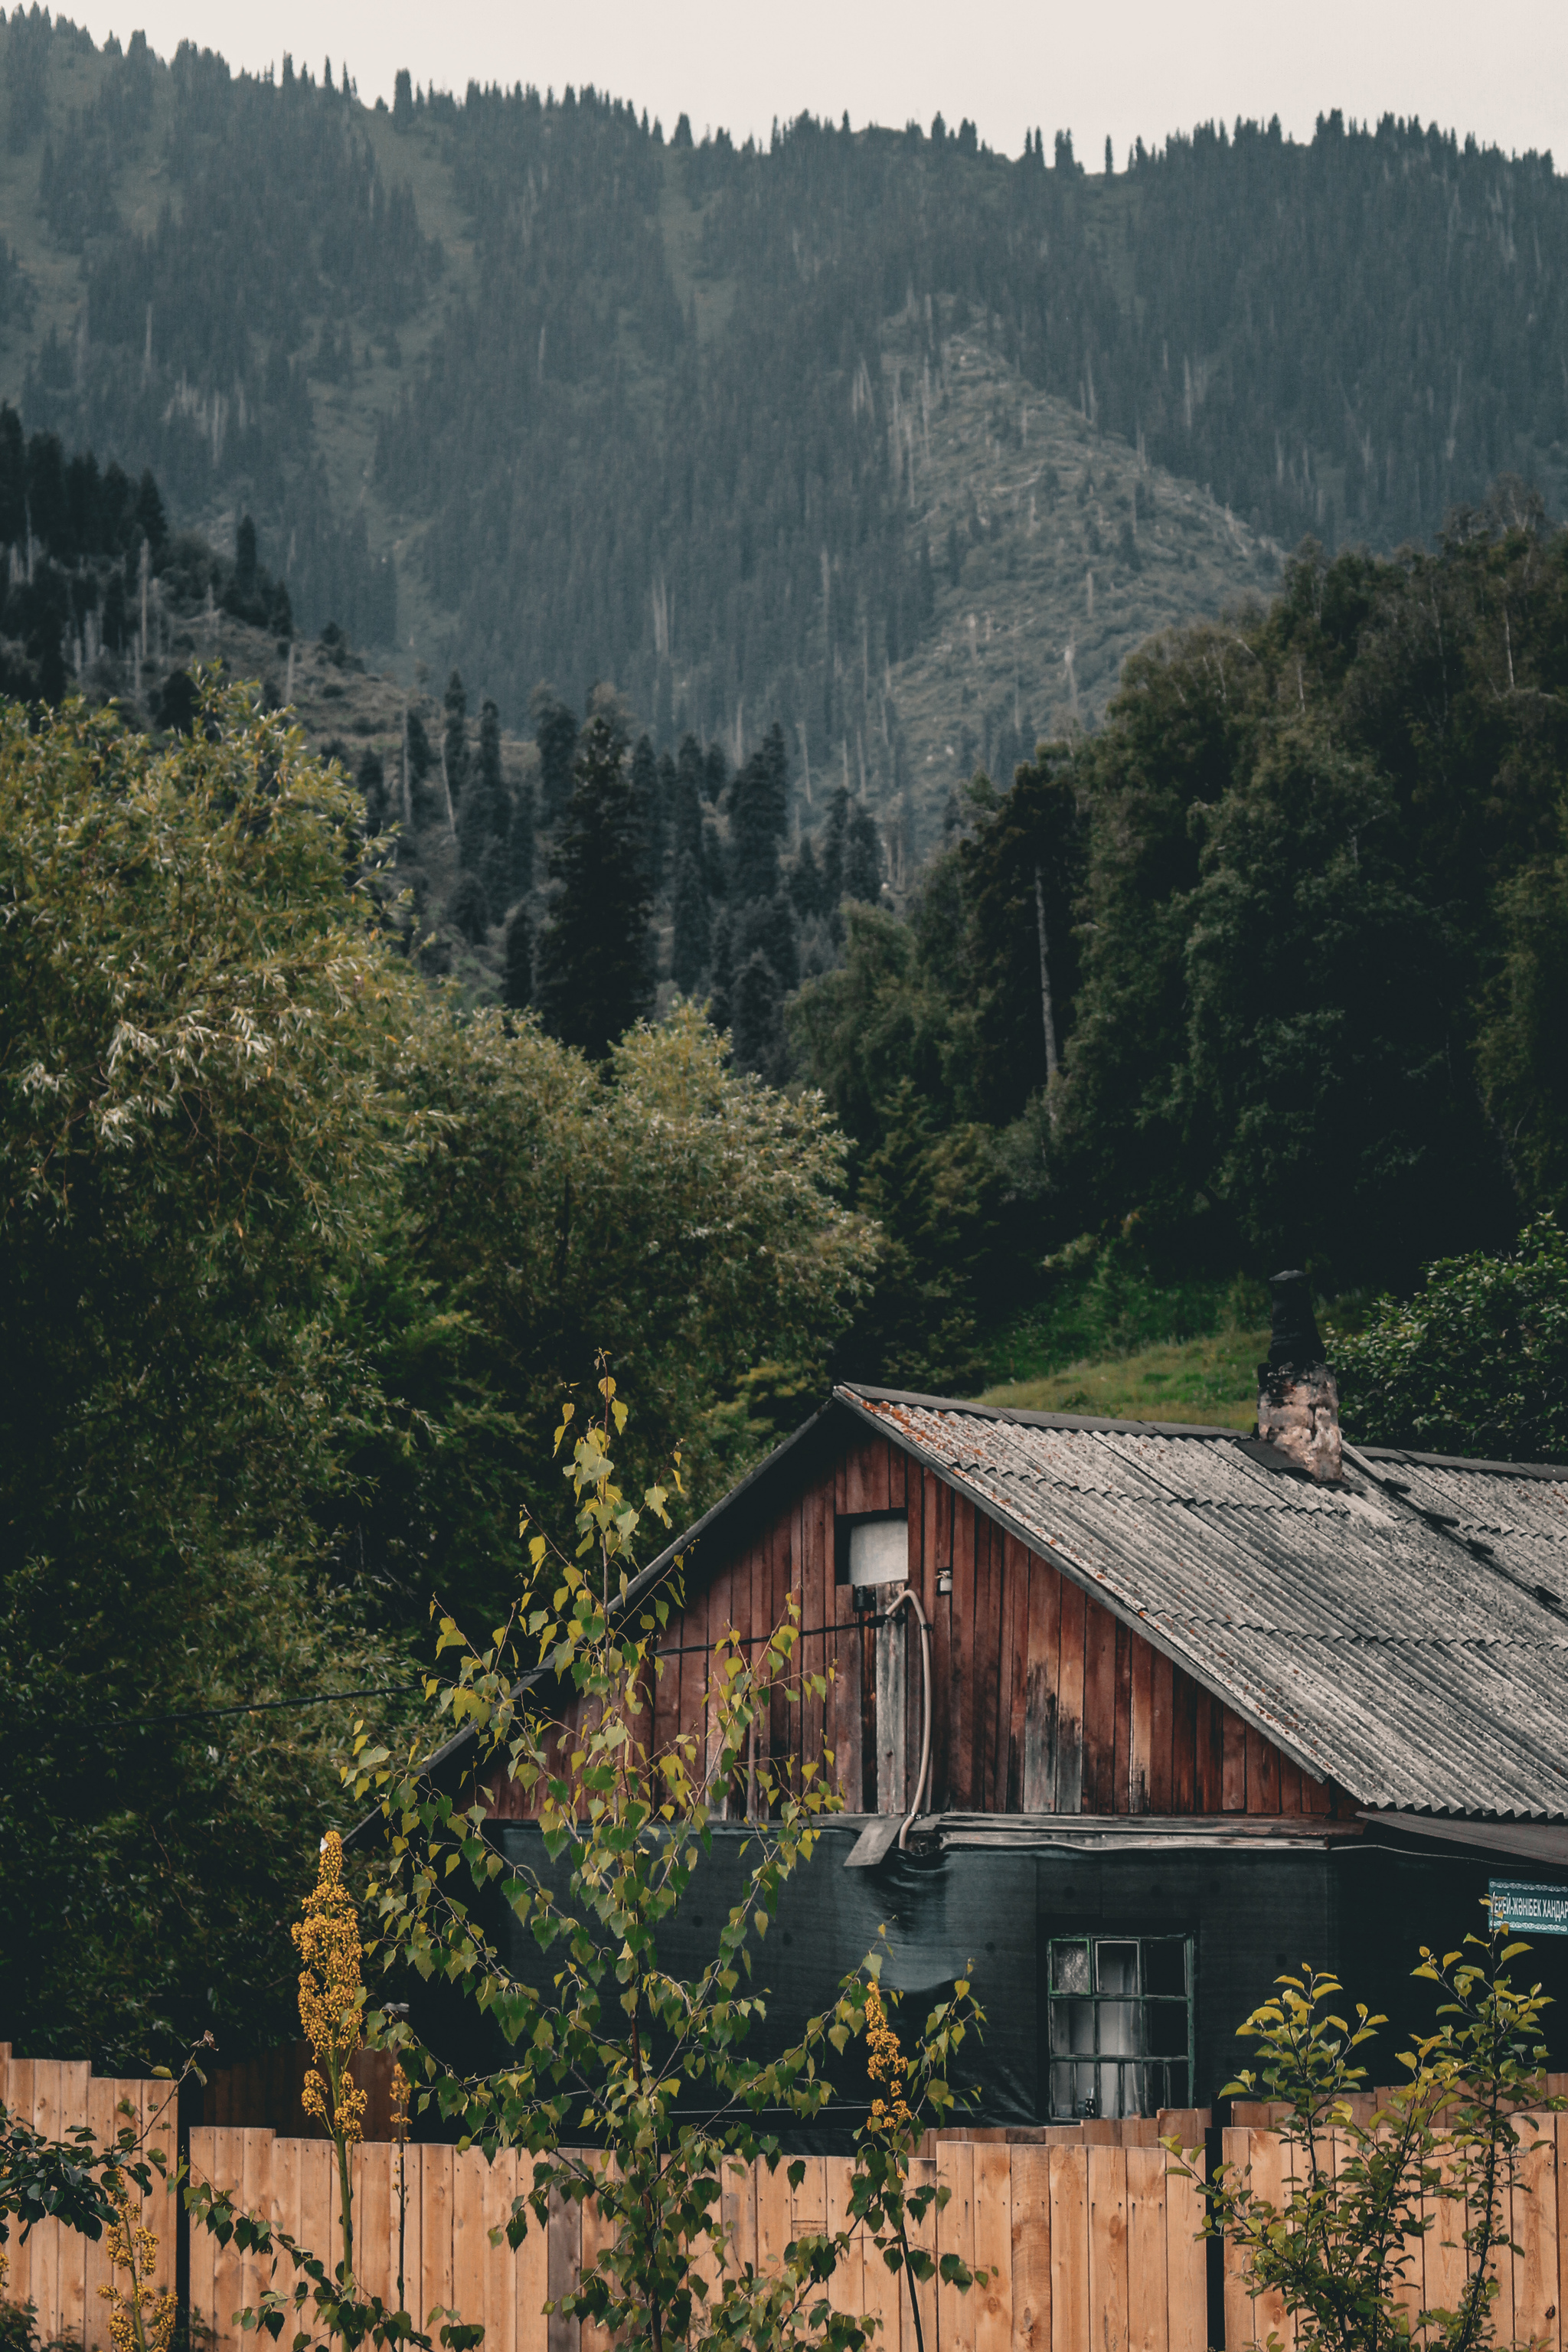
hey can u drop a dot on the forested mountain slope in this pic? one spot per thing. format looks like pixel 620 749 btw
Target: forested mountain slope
pixel 554 395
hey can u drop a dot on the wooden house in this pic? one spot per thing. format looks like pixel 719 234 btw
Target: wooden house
pixel 1196 1716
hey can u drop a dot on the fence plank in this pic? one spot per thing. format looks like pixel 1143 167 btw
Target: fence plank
pixel 1031 2169
pixel 773 2230
pixel 1445 2253
pixel 994 2248
pixel 44 2267
pixel 97 2270
pixel 1186 2260
pixel 533 2270
pixel 1108 2246
pixel 808 2203
pixel 203 2245
pixel 1239 2330
pixel 597 2234
pixel 435 2167
pixel 470 2244
pixel 1269 2180
pixel 563 2239
pixel 1148 2283
pixel 1537 2310
pixel 922 2233
pixel 739 2204
pixel 847 2287
pixel 1071 2312
pixel 228 2173
pixel 955 2235
pixel 498 2304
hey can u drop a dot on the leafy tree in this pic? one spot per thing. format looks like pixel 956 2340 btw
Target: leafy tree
pixel 605 2044
pixel 1475 1362
pixel 196 1141
pixel 595 965
pixel 1362 2190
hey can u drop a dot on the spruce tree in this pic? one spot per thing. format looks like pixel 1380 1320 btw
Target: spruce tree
pixel 806 888
pixel 690 945
pixel 555 733
pixel 371 780
pixel 759 815
pixel 595 963
pixel 517 978
pixel 522 826
pixel 863 858
pixel 645 799
pixel 835 844
pixel 454 740
pixel 467 910
pixel 757 1029
pixel 723 974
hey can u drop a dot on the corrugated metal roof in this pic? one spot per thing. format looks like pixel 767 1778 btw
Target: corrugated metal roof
pixel 1405 1634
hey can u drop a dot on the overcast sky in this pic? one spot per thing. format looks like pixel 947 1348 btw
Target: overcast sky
pixel 1126 68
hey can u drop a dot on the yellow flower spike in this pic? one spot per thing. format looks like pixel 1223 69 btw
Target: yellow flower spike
pixel 139 2319
pixel 886 2064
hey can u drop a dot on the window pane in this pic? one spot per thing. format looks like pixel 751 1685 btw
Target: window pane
pixel 1070 1966
pixel 1165 1965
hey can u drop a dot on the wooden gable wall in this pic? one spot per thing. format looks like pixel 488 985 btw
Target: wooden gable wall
pixel 1042 1701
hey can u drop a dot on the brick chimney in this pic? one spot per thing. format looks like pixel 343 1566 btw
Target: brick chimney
pixel 1298 1402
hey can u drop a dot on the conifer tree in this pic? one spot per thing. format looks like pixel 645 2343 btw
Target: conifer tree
pixel 455 738
pixel 690 946
pixel 757 1028
pixel 555 733
pixel 722 972
pixel 596 964
pixel 645 799
pixel 467 910
pixel 522 828
pixel 807 889
pixel 759 804
pixel 863 858
pixel 517 978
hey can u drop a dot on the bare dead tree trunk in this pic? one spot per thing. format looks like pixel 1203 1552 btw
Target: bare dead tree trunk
pixel 407 794
pixel 1047 1014
pixel 447 788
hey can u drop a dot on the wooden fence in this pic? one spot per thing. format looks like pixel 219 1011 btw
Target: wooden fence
pixel 56 2268
pixel 1090 2242
pixel 1088 2248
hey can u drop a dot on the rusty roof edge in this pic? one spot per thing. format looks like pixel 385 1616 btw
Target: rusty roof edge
pixel 1153 1631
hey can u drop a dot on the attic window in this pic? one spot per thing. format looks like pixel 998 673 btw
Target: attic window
pixel 872 1547
pixel 1121 2027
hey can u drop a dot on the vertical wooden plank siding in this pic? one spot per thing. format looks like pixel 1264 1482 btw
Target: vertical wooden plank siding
pixel 1043 1701
pixel 1040 1686
pixel 1070 1701
pixel 1100 1712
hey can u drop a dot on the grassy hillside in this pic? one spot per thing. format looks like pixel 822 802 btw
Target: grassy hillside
pixel 1213 1381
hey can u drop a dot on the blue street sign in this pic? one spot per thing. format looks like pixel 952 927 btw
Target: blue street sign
pixel 1528 1907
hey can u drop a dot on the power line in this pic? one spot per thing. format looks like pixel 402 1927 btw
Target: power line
pixel 267 1705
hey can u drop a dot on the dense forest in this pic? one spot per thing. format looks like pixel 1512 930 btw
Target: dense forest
pixel 641 409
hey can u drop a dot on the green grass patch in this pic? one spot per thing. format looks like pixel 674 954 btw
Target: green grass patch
pixel 1213 1381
